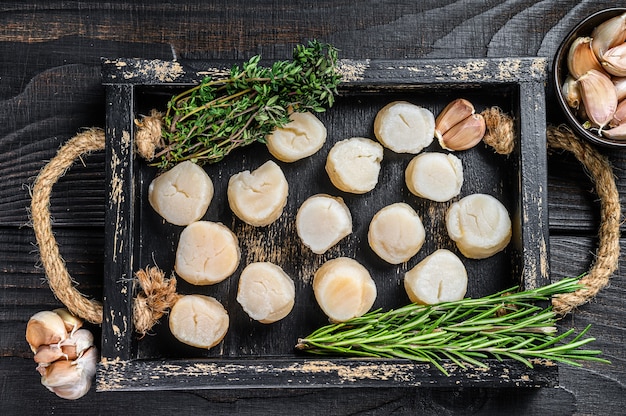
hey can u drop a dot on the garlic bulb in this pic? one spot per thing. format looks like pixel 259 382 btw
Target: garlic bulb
pixel 65 354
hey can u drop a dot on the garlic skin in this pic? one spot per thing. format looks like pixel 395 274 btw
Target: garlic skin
pixel 452 114
pixel 620 87
pixel 616 133
pixel 581 57
pixel 599 97
pixel 620 115
pixel 72 322
pixel 64 353
pixel 608 34
pixel 71 380
pixel 45 328
pixel 614 60
pixel 571 92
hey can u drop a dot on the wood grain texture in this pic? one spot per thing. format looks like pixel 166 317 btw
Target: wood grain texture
pixel 50 88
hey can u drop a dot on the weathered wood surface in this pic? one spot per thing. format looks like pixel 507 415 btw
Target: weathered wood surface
pixel 50 87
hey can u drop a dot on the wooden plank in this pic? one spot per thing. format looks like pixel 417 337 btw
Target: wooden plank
pixel 137 236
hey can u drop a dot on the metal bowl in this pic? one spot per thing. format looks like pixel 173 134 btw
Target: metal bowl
pixel 559 73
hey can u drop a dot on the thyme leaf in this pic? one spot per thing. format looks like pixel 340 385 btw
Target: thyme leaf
pixel 206 122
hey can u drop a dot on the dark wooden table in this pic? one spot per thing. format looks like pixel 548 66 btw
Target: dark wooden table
pixel 50 88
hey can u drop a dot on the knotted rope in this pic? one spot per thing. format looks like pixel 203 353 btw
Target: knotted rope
pixel 158 293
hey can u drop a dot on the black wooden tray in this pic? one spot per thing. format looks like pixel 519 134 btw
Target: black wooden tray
pixel 263 356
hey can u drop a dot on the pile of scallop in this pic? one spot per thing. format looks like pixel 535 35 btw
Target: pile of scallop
pixel 595 85
pixel 208 252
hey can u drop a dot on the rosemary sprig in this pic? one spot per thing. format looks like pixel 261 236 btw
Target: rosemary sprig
pixel 209 120
pixel 506 324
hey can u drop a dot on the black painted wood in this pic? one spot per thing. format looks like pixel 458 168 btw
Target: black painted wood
pixel 136 237
pixel 50 87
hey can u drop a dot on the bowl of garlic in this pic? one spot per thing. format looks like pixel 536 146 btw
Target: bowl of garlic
pixel 589 75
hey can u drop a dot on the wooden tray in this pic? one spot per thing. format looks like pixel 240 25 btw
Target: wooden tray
pixel 254 355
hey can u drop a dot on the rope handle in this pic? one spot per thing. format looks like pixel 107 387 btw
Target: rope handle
pixel 159 293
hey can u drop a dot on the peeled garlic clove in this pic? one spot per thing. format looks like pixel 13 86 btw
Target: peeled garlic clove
pixel 207 253
pixel 304 135
pixel 396 233
pixel 616 133
pixel 614 60
pixel 571 92
pixel 198 320
pixel 45 328
pixel 440 277
pixel 464 135
pixel 265 292
pixel 258 197
pixel 72 322
pixel 581 57
pixel 353 164
pixel 404 127
pixel 599 96
pixel 452 114
pixel 343 289
pixel 322 221
pixel 480 226
pixel 608 34
pixel 620 87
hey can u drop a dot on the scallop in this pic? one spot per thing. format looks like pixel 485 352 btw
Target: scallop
pixel 301 137
pixel 404 127
pixel 198 320
pixel 265 292
pixel 440 277
pixel 480 225
pixel 344 289
pixel 322 221
pixel 181 195
pixel 207 253
pixel 435 176
pixel 353 165
pixel 258 197
pixel 396 233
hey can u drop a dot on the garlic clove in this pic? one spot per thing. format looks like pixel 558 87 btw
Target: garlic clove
pixel 614 60
pixel 571 92
pixel 452 114
pixel 50 353
pixel 620 115
pixel 60 373
pixel 581 57
pixel 608 34
pixel 599 96
pixel 616 133
pixel 620 87
pixel 464 135
pixel 45 328
pixel 72 322
pixel 71 379
pixel 82 341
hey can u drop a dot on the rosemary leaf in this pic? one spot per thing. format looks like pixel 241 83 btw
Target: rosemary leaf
pixel 503 325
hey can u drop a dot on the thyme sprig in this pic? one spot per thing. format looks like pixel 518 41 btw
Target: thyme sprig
pixel 507 324
pixel 209 120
